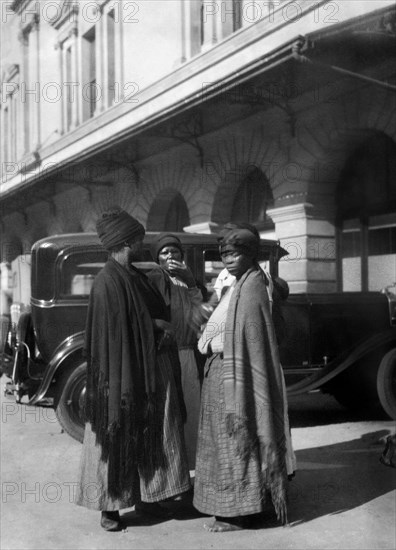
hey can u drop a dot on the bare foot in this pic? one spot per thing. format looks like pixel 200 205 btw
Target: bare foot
pixel 222 526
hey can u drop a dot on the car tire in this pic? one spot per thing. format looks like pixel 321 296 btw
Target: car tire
pixel 386 383
pixel 69 400
pixel 356 392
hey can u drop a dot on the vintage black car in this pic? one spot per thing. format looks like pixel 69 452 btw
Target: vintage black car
pixel 342 343
pixel 43 352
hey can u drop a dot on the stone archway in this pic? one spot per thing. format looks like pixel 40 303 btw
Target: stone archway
pixel 168 212
pixel 244 196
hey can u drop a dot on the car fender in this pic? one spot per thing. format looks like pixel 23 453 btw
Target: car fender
pixel 65 350
pixel 339 365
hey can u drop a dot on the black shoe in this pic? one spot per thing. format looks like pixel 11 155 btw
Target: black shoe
pixel 110 521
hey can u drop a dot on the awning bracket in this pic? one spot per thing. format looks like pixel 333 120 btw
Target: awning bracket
pixel 303 44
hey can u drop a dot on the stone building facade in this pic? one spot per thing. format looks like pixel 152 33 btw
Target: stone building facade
pixel 193 113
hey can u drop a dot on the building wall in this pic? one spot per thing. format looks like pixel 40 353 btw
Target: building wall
pixel 302 158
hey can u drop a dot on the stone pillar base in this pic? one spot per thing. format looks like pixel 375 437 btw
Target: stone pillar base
pixel 309 238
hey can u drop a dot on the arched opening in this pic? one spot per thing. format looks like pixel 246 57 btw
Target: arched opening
pixel 252 200
pixel 366 216
pixel 168 212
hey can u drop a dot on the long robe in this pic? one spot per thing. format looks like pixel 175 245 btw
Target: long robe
pixel 133 445
pixel 241 453
pixel 182 303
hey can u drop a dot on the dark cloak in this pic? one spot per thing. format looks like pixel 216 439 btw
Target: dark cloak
pixel 120 348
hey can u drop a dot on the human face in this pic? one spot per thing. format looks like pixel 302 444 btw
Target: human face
pixel 135 250
pixel 236 262
pixel 168 254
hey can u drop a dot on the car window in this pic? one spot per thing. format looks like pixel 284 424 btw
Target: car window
pixel 78 271
pixel 212 267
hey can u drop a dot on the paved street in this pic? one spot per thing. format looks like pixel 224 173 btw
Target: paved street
pixel 342 497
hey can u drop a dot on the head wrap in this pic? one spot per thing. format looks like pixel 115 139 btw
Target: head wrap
pixel 238 225
pixel 116 227
pixel 166 239
pixel 242 240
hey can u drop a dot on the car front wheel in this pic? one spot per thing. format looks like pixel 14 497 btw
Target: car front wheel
pixel 70 398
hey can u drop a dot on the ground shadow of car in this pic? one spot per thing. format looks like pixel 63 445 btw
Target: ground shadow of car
pixel 319 410
pixel 335 478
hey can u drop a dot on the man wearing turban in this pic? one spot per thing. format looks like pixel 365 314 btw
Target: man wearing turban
pixel 133 450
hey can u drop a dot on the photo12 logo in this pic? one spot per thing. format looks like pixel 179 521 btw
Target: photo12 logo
pixel 51 10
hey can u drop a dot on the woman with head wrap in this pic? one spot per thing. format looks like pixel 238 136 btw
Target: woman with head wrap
pixel 241 451
pixel 183 298
pixel 278 291
pixel 133 450
pixel 277 288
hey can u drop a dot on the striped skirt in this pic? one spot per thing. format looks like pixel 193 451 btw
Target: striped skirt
pixel 164 482
pixel 225 484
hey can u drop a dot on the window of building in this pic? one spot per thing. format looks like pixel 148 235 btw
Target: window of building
pixel 26 78
pixel 208 22
pixel 10 150
pixel 65 21
pixel 67 87
pixel 366 206
pixel 237 15
pixel 111 60
pixel 90 84
pixel 6 130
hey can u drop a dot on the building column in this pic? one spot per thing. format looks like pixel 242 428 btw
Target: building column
pixel 309 237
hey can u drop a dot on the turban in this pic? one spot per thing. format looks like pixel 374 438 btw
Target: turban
pixel 241 240
pixel 117 227
pixel 166 239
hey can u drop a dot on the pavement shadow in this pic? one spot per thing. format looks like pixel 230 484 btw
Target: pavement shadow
pixel 317 415
pixel 335 478
pixel 330 480
pixel 180 508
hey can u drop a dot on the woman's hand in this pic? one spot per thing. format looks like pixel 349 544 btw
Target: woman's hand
pixel 166 335
pixel 180 269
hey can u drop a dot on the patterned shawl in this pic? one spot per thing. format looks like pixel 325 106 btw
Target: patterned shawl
pixel 253 384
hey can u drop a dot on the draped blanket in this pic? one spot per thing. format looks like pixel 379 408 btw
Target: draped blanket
pixel 121 354
pixel 253 384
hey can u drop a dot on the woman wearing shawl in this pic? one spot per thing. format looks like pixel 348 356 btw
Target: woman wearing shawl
pixel 183 298
pixel 241 451
pixel 133 451
pixel 278 291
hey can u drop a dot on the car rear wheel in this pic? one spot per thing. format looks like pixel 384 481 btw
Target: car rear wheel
pixel 386 383
pixel 69 400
